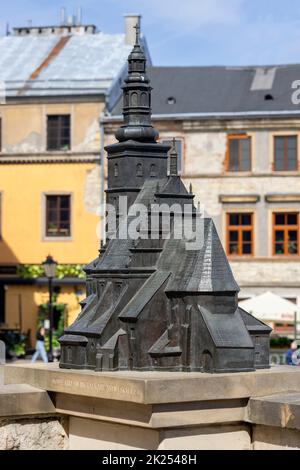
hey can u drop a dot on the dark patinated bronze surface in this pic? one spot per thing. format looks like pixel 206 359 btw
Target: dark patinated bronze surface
pixel 152 303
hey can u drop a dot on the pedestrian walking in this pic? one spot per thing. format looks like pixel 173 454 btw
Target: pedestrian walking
pixel 40 346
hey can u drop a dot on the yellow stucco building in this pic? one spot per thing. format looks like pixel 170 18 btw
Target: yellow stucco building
pixel 56 82
pixel 27 183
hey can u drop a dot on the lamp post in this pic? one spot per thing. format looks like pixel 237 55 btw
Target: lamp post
pixel 50 271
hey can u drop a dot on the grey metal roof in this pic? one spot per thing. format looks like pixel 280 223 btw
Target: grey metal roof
pixel 136 305
pixel 205 269
pixel 230 332
pixel 202 269
pixel 85 64
pixel 221 90
pixel 252 323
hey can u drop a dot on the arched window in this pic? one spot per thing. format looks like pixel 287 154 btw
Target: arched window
pixel 144 99
pixel 134 99
pixel 126 99
pixel 207 362
pixel 116 170
pixel 152 171
pixel 139 169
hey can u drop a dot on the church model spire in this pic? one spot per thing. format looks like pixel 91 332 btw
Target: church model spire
pixel 160 298
pixel 137 99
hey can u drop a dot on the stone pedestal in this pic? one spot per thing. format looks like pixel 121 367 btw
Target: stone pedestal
pixel 29 420
pixel 134 410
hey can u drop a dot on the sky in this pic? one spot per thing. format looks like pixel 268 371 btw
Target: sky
pixel 185 32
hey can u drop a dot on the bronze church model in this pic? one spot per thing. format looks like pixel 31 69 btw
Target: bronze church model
pixel 153 304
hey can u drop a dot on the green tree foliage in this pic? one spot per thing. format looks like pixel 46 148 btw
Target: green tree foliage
pixel 34 271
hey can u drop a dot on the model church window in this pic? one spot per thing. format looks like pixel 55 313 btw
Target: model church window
pixel 152 171
pixel 239 153
pixel 116 170
pixel 144 99
pixel 134 99
pixel 286 233
pixel 58 216
pixel 240 234
pixel 126 99
pixel 286 153
pixel 59 132
pixel 139 169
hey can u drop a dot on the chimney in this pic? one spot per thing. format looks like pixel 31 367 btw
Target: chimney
pixel 131 20
pixel 79 16
pixel 70 20
pixel 62 16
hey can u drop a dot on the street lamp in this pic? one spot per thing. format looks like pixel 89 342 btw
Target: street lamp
pixel 50 271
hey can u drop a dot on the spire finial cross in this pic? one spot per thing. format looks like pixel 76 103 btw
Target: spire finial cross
pixel 137 34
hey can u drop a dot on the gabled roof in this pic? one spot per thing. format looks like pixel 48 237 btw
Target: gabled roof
pixel 205 269
pixel 253 324
pixel 144 295
pixel 54 65
pixel 228 333
pixel 201 267
pixel 219 91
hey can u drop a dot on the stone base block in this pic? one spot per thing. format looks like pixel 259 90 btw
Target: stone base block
pixel 274 438
pixel 24 400
pixel 169 411
pixel 96 435
pixel 33 434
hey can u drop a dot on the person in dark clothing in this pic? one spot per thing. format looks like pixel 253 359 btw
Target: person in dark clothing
pixel 40 346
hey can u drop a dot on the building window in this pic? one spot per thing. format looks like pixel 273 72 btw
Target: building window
pixel 239 153
pixel 58 216
pixel 0 216
pixel 286 153
pixel 152 171
pixel 59 132
pixel 240 234
pixel 116 170
pixel 139 169
pixel 134 99
pixel 285 233
pixel 179 150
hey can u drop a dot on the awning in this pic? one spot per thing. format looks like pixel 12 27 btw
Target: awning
pixel 271 307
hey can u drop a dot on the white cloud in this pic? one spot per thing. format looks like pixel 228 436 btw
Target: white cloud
pixel 268 40
pixel 198 12
pixel 187 14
